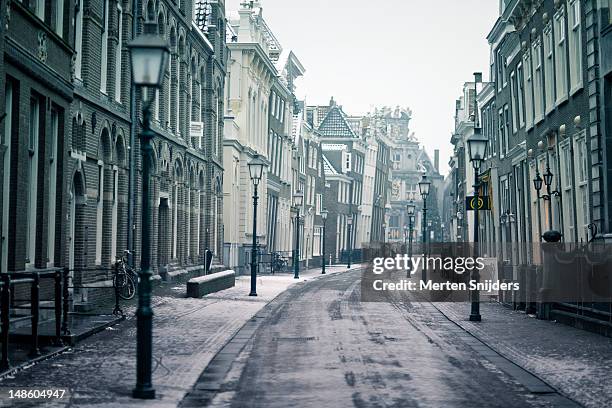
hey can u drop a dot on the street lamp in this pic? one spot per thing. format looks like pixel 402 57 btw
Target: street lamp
pixel 424 186
pixel 477 148
pixel 410 209
pixel 298 197
pixel 550 235
pixel 149 57
pixel 324 215
pixel 349 222
pixel 256 166
pixel 384 231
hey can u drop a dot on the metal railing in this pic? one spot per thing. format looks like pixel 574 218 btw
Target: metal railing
pixel 12 285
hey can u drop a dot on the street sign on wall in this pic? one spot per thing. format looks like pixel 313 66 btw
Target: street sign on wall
pixel 196 129
pixel 483 203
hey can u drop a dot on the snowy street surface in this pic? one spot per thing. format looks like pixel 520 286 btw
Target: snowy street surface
pixel 100 371
pixel 321 347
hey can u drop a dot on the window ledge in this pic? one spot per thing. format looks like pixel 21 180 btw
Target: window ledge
pixel 562 100
pixel 575 89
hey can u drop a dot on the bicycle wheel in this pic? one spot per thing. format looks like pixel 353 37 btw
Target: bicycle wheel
pixel 128 290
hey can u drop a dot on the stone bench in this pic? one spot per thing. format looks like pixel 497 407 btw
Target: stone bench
pixel 203 285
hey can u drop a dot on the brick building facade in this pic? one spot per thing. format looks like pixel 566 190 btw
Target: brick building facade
pixel 72 151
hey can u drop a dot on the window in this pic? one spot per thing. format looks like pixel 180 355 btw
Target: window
pixel 346 159
pixel 100 213
pixel 514 101
pixel 6 145
pixel 114 208
pixel 502 136
pixel 38 8
pixel 566 189
pixel 58 18
pixel 55 134
pixel 493 130
pixel 538 97
pixel 575 45
pixel 317 243
pixel 520 107
pixel 32 179
pixel 560 56
pixel 528 90
pixel 104 49
pixel 507 130
pixel 156 110
pixel 118 62
pixel 78 38
pixel 582 184
pixel 319 204
pixel 549 73
pixel 273 103
pixel 500 71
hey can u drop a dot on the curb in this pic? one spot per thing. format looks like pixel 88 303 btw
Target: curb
pixel 28 363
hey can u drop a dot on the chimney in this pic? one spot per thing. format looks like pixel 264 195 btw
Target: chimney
pixel 437 160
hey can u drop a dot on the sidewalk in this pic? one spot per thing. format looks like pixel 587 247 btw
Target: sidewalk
pixel 100 371
pixel 575 362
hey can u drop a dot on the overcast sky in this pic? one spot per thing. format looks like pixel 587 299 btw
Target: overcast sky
pixel 411 53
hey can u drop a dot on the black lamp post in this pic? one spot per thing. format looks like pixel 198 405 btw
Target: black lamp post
pixel 324 215
pixel 550 235
pixel 410 209
pixel 256 166
pixel 149 57
pixel 298 197
pixel 477 147
pixel 349 223
pixel 384 232
pixel 424 186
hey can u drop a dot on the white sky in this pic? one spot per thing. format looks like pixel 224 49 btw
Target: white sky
pixel 364 53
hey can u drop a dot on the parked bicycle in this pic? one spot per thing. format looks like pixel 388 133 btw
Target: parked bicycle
pixel 125 278
pixel 279 263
